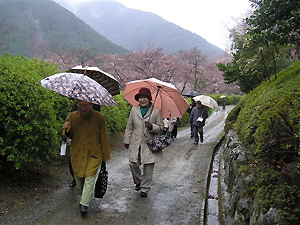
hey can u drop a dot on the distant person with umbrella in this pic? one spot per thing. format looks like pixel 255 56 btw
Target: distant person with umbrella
pixel 191 94
pixel 189 110
pixel 223 104
pixel 144 122
pixel 197 119
pixel 223 101
pixel 89 147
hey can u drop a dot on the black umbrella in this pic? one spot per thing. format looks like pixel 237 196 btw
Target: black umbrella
pixel 107 80
pixel 191 94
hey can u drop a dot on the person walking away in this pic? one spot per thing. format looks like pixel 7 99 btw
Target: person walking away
pixel 166 130
pixel 143 124
pixel 223 104
pixel 189 110
pixel 197 119
pixel 174 125
pixel 89 147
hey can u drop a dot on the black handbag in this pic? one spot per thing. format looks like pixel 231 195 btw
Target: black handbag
pixel 159 143
pixel 101 183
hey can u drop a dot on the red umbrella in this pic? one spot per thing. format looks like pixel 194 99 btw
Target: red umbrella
pixel 165 96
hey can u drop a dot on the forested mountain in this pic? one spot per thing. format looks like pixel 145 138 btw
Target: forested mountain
pixel 136 29
pixel 39 26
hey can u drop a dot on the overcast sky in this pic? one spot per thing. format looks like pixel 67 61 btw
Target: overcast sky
pixel 208 18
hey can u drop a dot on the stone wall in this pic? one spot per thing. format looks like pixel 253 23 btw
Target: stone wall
pixel 239 206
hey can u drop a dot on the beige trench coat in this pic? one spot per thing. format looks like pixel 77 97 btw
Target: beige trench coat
pixel 136 136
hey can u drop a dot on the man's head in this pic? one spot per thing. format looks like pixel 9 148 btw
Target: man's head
pixel 84 107
pixel 198 104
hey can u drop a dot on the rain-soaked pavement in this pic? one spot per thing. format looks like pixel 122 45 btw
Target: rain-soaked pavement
pixel 176 197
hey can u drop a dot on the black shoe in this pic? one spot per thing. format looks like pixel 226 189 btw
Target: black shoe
pixel 195 142
pixel 83 209
pixel 192 136
pixel 73 183
pixel 144 194
pixel 137 187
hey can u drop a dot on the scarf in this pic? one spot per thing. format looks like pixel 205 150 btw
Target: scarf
pixel 144 110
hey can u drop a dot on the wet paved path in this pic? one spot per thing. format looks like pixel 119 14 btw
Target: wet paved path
pixel 176 197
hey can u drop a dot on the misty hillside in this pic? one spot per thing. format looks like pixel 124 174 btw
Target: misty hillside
pixel 39 26
pixel 134 29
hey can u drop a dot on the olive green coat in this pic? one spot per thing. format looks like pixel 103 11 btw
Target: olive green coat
pixel 90 142
pixel 136 135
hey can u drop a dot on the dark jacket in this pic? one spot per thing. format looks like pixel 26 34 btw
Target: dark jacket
pixel 201 112
pixel 189 110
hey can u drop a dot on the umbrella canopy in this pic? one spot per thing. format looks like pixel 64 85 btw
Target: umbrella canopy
pixel 207 101
pixel 105 79
pixel 191 94
pixel 223 96
pixel 80 87
pixel 165 96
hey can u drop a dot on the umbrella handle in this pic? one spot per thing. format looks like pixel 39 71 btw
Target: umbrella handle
pixel 159 87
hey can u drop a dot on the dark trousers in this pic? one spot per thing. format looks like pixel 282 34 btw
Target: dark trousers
pixel 70 168
pixel 197 131
pixel 174 131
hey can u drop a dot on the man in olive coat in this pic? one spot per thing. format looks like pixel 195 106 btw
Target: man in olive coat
pixel 89 147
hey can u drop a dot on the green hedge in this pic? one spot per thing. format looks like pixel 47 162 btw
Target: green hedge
pixel 269 120
pixel 117 117
pixel 30 116
pixel 230 99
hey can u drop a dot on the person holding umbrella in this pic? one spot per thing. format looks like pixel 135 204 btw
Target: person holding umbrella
pixel 197 120
pixel 89 147
pixel 189 111
pixel 144 122
pixel 75 108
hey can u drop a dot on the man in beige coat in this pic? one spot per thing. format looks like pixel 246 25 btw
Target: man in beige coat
pixel 144 122
pixel 89 147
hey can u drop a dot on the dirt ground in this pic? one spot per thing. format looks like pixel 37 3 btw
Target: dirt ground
pixel 176 197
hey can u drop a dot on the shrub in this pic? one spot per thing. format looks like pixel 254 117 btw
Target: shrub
pixel 117 116
pixel 230 99
pixel 233 115
pixel 29 114
pixel 269 121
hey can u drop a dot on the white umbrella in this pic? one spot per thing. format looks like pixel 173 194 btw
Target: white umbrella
pixel 207 101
